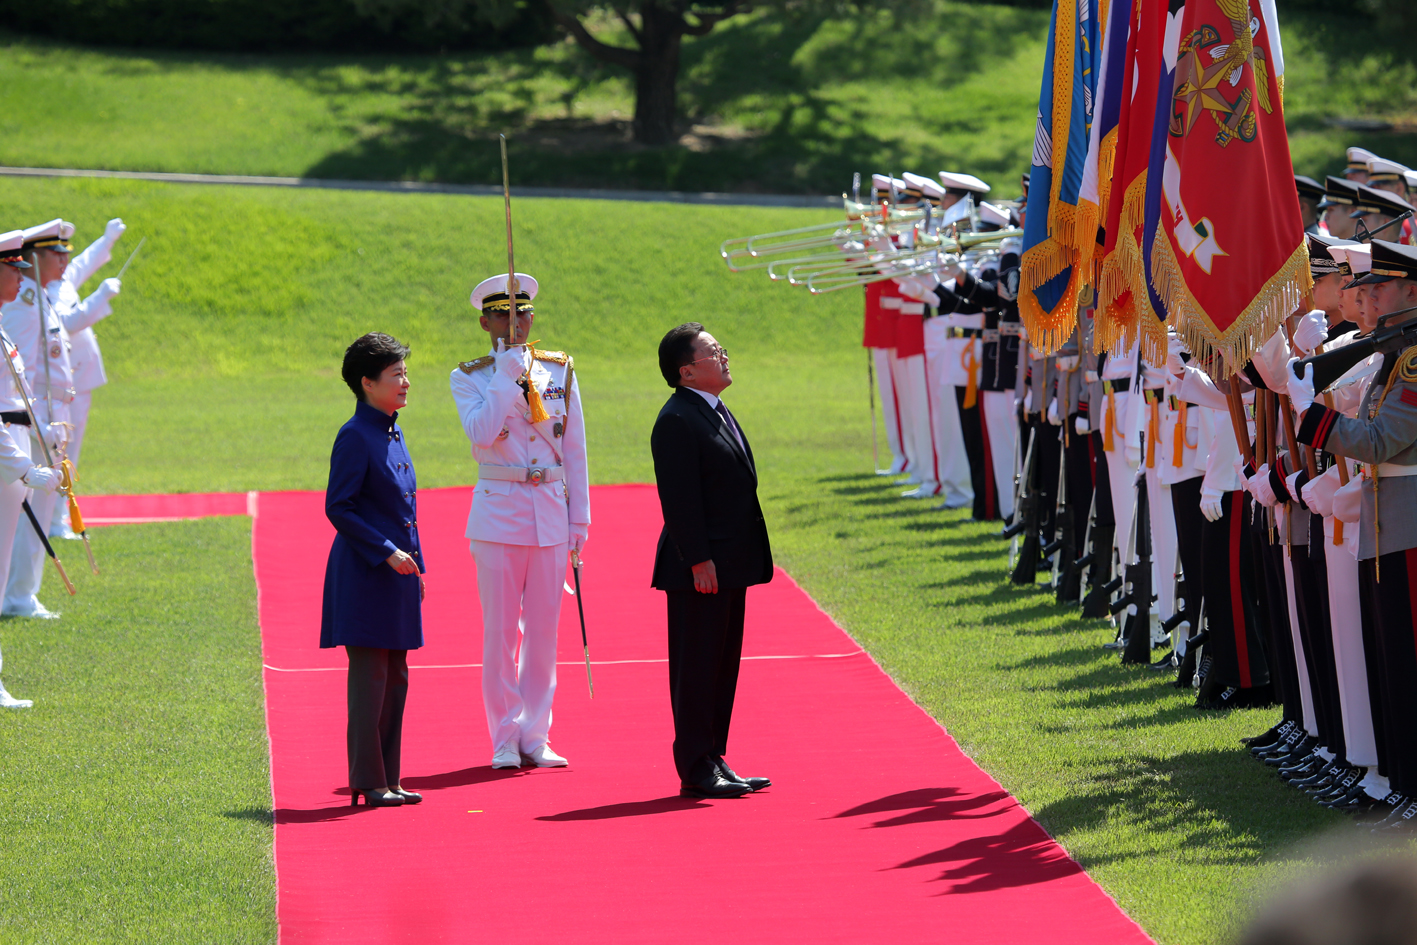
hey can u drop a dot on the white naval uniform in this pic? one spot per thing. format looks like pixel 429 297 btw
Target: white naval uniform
pixel 520 532
pixel 78 316
pixel 953 461
pixel 51 399
pixel 14 463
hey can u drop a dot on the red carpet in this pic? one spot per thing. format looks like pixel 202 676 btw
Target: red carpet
pixel 877 829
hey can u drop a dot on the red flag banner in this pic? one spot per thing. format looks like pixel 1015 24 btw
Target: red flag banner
pixel 1230 260
pixel 1122 298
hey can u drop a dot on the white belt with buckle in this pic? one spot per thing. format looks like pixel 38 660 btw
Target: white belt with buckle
pixel 534 474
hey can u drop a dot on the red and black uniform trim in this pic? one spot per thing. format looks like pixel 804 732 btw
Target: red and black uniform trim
pixel 1317 425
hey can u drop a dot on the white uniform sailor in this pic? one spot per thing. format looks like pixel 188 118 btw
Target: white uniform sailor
pixel 16 470
pixel 51 381
pixel 530 509
pixel 78 315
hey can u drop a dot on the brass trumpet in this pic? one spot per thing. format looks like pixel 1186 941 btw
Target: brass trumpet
pixel 864 222
pixel 930 253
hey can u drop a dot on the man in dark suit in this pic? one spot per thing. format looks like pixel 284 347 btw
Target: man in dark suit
pixel 713 547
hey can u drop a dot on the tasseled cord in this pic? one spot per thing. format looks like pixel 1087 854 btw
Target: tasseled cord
pixel 533 396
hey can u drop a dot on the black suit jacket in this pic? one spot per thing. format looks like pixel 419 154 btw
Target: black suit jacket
pixel 708 492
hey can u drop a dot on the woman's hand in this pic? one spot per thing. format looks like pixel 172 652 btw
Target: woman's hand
pixel 402 562
pixel 422 589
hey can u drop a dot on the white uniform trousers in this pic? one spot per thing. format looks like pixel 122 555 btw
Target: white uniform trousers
pixel 79 417
pixel 1163 541
pixel 1000 430
pixel 520 587
pixel 1301 659
pixel 951 461
pixel 885 383
pixel 12 496
pixel 1359 743
pixel 26 571
pixel 913 403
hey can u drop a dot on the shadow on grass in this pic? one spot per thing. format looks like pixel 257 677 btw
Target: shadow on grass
pixel 262 815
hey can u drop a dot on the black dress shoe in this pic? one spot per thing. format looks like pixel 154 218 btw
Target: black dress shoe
pixel 1270 737
pixel 756 784
pixel 714 786
pixel 375 798
pixel 409 797
pixel 1167 663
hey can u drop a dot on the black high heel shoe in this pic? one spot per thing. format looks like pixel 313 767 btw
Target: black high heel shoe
pixel 409 797
pixel 376 798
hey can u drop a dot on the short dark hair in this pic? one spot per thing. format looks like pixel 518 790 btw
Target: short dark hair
pixel 368 357
pixel 676 349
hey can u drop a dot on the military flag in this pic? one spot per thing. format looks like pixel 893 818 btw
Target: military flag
pixel 1102 143
pixel 1056 226
pixel 1230 258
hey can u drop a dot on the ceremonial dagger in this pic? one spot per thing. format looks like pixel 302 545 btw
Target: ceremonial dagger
pixel 29 409
pixel 580 609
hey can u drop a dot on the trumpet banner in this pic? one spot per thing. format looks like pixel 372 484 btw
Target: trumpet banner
pixel 1229 259
pixel 1057 225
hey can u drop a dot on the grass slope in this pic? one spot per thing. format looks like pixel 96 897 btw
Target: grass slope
pixel 777 103
pixel 223 358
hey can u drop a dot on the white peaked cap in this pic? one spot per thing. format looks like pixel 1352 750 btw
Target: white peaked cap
pixel 1410 177
pixel 497 285
pixel 988 213
pixel 10 245
pixel 914 181
pixel 1359 157
pixel 54 232
pixel 963 182
pixel 881 181
pixel 1384 166
pixel 1359 256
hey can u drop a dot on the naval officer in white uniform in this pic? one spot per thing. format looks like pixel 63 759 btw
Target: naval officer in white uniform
pixel 531 509
pixel 78 315
pixel 51 382
pixel 17 473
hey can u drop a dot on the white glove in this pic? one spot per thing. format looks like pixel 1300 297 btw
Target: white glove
pixel 108 288
pixel 1080 424
pixel 1211 507
pixel 1348 501
pixel 1318 493
pixel 1311 331
pixel 1053 417
pixel 57 433
pixel 1291 482
pixel 579 534
pixel 114 229
pixel 1301 389
pixel 42 479
pixel 511 362
pixel 1174 364
pixel 1258 486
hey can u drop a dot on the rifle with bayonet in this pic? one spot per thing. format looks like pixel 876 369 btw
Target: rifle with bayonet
pixel 1026 522
pixel 1331 365
pixel 1137 600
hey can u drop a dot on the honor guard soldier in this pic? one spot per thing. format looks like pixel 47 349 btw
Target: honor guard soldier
pixel 521 408
pixel 50 378
pixel 1357 169
pixel 1384 439
pixel 16 470
pixel 1375 209
pixel 1311 194
pixel 78 316
pixel 1337 207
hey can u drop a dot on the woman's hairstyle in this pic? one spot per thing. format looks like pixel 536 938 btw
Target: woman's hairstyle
pixel 368 357
pixel 677 349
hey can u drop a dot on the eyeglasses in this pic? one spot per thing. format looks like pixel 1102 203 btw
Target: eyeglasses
pixel 720 355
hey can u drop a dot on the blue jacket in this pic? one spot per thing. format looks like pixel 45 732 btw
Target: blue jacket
pixel 372 503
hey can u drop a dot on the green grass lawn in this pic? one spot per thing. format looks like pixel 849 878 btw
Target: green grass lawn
pixel 223 356
pixel 772 103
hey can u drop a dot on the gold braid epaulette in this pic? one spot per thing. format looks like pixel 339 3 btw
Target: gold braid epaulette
pixel 1407 367
pixel 560 357
pixel 469 366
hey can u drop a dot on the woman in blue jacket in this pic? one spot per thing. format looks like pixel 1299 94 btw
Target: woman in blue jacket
pixel 374 577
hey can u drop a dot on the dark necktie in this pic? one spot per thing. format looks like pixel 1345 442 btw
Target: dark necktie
pixel 732 426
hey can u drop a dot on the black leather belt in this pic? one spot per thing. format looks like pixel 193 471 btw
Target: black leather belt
pixel 966 332
pixel 15 416
pixel 1120 385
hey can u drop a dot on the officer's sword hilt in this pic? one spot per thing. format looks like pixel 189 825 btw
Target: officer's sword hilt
pixel 580 609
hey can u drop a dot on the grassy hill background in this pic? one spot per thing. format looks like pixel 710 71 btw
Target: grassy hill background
pixel 772 103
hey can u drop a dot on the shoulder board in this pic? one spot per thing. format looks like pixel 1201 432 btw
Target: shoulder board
pixel 1407 367
pixel 560 357
pixel 469 366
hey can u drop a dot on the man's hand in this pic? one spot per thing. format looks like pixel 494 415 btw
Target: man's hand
pixel 108 288
pixel 114 229
pixel 1311 331
pixel 1211 507
pixel 403 563
pixel 42 479
pixel 579 534
pixel 705 577
pixel 1301 389
pixel 511 362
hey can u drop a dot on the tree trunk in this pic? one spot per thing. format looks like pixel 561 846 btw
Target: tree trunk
pixel 657 74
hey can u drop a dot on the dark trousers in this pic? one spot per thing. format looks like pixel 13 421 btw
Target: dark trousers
pixel 378 688
pixel 1231 597
pixel 705 645
pixel 1311 602
pixel 1274 613
pixel 1389 595
pixel 981 471
pixel 1185 505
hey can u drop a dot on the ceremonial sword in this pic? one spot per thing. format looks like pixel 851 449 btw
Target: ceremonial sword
pixel 580 609
pixel 130 257
pixel 29 409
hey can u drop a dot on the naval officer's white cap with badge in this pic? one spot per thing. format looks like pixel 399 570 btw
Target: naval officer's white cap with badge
pixel 11 247
pixel 962 184
pixel 53 236
pixel 490 295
